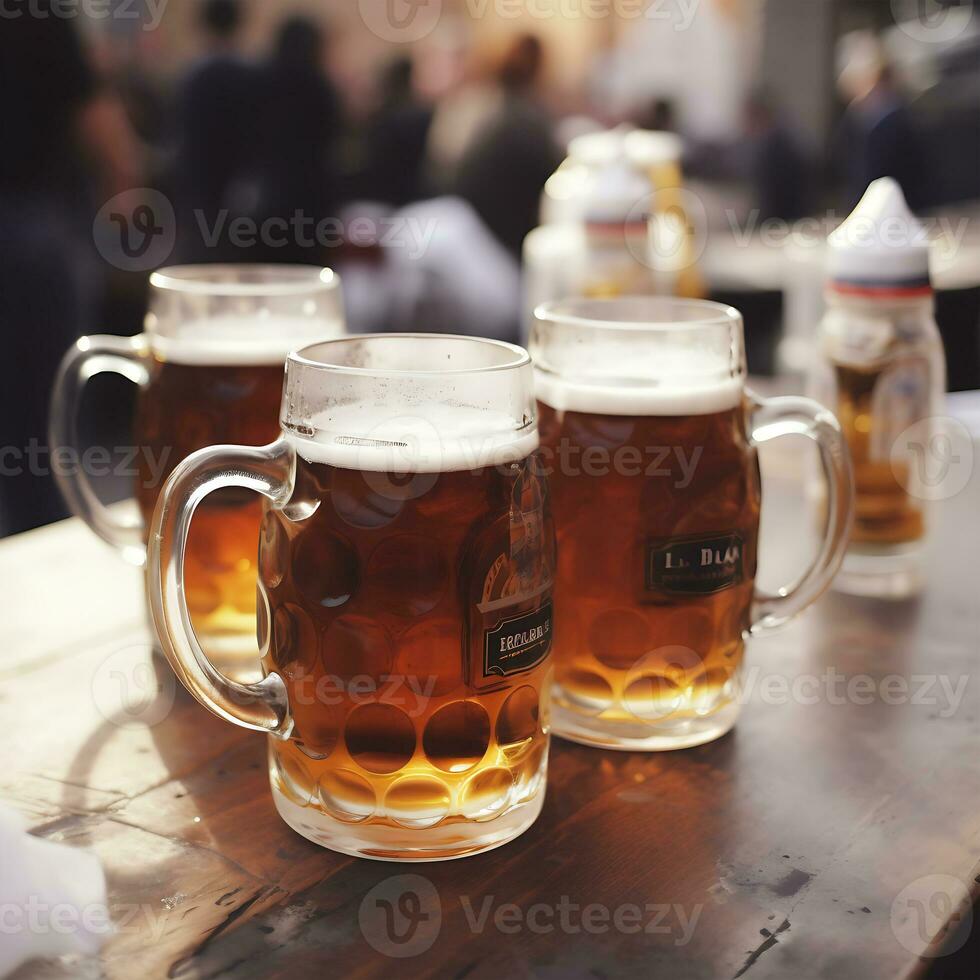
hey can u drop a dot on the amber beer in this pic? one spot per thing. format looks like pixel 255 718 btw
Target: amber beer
pixel 885 512
pixel 209 366
pixel 183 408
pixel 657 525
pixel 412 624
pixel 650 436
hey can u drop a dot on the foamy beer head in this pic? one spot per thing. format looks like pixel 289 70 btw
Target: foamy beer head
pixel 210 315
pixel 219 336
pixel 410 403
pixel 638 356
pixel 656 498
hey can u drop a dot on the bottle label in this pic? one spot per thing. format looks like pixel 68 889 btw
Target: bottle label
pixel 694 565
pixel 518 643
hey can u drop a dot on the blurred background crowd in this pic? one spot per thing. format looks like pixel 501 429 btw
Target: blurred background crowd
pixel 407 143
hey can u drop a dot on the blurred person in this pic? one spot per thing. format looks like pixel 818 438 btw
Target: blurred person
pixel 504 171
pixel 461 112
pixel 58 116
pixel 300 122
pixel 947 115
pixel 876 136
pixel 216 134
pixel 145 93
pixel 396 137
pixel 776 164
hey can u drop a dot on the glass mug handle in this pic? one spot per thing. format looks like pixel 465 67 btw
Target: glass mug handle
pixel 775 417
pixel 88 357
pixel 262 706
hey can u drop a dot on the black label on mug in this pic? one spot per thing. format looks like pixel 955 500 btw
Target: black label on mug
pixel 517 644
pixel 695 566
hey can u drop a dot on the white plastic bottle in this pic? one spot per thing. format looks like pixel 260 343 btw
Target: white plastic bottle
pixel 880 367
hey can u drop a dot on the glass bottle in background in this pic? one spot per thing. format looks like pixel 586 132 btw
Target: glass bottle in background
pixel 616 213
pixel 880 367
pixel 615 221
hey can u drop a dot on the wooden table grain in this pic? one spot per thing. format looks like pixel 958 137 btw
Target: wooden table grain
pixel 797 846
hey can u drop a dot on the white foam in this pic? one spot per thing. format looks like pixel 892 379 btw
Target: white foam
pixel 238 340
pixel 667 399
pixel 625 378
pixel 433 438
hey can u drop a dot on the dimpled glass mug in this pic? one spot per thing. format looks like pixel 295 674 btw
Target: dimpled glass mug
pixel 209 368
pixel 650 438
pixel 405 564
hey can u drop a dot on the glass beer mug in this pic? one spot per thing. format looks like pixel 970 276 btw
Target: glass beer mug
pixel 649 438
pixel 406 557
pixel 209 366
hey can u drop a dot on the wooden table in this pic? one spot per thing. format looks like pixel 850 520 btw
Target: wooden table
pixel 798 846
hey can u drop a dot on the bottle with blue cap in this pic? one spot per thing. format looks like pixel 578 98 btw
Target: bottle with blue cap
pixel 880 366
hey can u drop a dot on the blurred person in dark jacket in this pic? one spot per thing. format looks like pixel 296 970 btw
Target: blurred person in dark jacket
pixel 396 139
pixel 877 137
pixel 777 167
pixel 300 120
pixel 62 126
pixel 503 172
pixel 215 135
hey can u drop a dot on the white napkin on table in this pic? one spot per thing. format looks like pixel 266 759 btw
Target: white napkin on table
pixel 52 897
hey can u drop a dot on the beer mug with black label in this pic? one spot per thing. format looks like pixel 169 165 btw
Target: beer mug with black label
pixel 405 620
pixel 649 439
